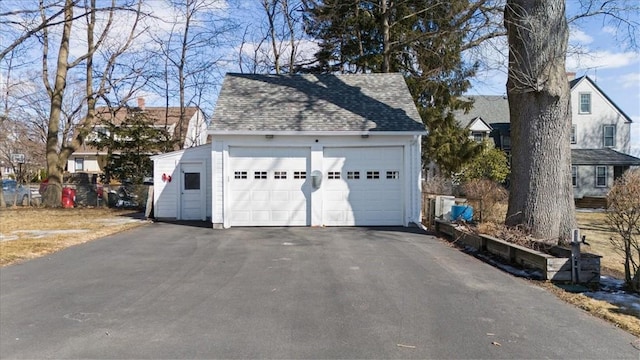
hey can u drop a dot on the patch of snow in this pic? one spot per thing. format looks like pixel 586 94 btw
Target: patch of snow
pixel 625 301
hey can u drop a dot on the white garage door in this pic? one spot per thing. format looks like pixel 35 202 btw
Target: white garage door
pixel 363 186
pixel 269 187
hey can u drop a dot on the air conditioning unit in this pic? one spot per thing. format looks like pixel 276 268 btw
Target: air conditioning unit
pixel 443 206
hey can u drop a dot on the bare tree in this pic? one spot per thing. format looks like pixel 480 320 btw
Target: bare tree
pixel 541 197
pixel 282 30
pixel 61 143
pixel 188 55
pixel 623 216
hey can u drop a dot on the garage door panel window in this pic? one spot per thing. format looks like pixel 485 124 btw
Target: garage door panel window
pixel 299 174
pixel 334 175
pixel 191 181
pixel 353 175
pixel 281 175
pixel 373 174
pixel 260 175
pixel 240 175
pixel 393 174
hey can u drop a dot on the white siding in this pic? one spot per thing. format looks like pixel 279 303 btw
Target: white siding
pixel 589 127
pixel 220 162
pixel 90 164
pixel 196 131
pixel 166 194
pixel 586 185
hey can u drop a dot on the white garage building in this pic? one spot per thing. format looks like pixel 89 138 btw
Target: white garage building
pixel 301 150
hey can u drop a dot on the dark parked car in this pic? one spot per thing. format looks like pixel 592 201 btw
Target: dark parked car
pixel 12 191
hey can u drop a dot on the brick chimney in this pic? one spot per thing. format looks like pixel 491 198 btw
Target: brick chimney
pixel 570 76
pixel 141 102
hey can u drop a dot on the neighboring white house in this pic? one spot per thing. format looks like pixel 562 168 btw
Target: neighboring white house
pixel 600 137
pixel 302 150
pixel 192 132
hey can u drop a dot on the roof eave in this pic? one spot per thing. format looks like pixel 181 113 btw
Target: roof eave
pixel 315 133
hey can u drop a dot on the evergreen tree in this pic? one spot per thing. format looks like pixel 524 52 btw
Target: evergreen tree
pixel 129 146
pixel 423 40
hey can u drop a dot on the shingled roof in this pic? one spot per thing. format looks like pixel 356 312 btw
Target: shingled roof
pixel 602 157
pixel 490 108
pixel 353 102
pixel 161 116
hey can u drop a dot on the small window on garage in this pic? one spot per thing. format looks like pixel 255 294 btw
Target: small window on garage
pixel 260 175
pixel 240 175
pixel 299 174
pixel 353 175
pixel 393 174
pixel 191 181
pixel 373 174
pixel 333 175
pixel 279 174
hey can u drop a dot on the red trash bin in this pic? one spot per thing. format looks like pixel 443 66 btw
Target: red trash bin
pixel 68 197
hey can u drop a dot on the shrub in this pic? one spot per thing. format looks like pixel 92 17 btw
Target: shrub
pixel 623 216
pixel 438 185
pixel 487 196
pixel 490 164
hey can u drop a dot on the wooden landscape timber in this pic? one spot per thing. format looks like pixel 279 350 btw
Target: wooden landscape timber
pixel 556 267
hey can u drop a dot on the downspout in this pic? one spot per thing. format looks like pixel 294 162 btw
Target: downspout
pixel 417 187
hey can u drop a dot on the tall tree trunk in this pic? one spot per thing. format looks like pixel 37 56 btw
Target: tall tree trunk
pixel 386 29
pixel 541 196
pixel 52 196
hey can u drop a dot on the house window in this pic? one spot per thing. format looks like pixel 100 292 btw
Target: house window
pixel 601 176
pixel 191 181
pixel 478 136
pixel 506 142
pixel 585 103
pixel 573 134
pixel 609 139
pixel 574 176
pixel 79 164
pixel 353 175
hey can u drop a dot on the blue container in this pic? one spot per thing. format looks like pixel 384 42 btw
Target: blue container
pixel 462 212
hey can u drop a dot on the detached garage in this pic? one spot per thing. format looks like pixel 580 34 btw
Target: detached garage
pixel 315 150
pixel 300 150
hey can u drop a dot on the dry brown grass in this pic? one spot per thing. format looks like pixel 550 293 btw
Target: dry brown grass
pixel 601 309
pixel 594 226
pixel 97 222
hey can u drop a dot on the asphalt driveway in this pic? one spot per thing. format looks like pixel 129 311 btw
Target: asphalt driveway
pixel 174 291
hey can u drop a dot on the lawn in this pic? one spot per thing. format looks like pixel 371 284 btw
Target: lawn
pixel 27 233
pixel 593 225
